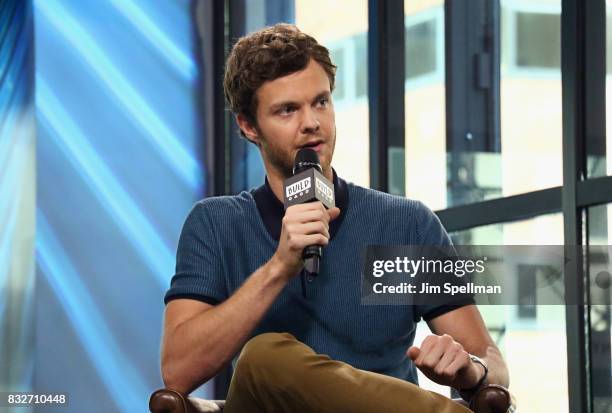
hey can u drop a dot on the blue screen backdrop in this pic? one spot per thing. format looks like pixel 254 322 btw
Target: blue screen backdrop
pixel 101 145
pixel 118 169
pixel 17 196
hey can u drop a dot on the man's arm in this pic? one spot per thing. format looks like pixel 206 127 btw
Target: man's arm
pixel 199 339
pixel 444 357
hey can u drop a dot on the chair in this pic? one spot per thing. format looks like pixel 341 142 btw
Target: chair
pixel 489 399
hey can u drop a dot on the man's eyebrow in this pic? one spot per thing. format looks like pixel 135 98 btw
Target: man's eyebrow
pixel 283 104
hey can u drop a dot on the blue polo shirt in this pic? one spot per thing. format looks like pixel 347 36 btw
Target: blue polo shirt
pixel 227 238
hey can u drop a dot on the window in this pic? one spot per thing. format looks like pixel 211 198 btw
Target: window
pixel 424 98
pixel 361 65
pixel 600 233
pixel 533 31
pixel 420 49
pixel 609 40
pixel 531 37
pixel 337 56
pixel 343 28
pixel 350 55
pixel 599 148
pixel 424 43
pixel 530 93
pixel 445 171
pixel 524 332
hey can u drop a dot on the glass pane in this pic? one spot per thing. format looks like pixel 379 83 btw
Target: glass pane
pixel 525 333
pixel 361 60
pixel 598 145
pixel 530 109
pixel 543 27
pixel 337 56
pixel 343 28
pixel 600 149
pixel 425 102
pixel 530 96
pixel 420 48
pixel 608 37
pixel 600 233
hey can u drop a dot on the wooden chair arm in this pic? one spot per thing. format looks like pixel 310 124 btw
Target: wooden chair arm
pixel 490 399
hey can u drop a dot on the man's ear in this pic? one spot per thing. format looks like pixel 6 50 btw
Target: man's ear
pixel 248 129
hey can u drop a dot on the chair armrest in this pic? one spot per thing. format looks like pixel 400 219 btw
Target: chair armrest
pixel 492 399
pixel 170 401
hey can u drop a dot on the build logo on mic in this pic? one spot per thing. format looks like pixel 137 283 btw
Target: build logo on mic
pixel 298 189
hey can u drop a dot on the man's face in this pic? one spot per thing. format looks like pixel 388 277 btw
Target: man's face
pixel 293 112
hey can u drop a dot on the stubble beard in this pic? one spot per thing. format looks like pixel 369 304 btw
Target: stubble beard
pixel 278 160
pixel 281 162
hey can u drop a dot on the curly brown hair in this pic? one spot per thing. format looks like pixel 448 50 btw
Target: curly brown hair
pixel 265 55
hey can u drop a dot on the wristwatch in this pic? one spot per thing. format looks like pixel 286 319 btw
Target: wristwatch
pixel 480 383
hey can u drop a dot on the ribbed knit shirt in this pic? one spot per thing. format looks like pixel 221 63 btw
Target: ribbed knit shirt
pixel 225 239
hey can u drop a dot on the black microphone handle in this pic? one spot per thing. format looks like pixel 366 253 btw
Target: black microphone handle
pixel 312 257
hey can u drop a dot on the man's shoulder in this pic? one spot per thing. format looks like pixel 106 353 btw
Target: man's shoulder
pixel 404 213
pixel 378 200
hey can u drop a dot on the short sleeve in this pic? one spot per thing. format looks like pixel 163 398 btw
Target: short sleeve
pixel 199 270
pixel 429 228
pixel 430 231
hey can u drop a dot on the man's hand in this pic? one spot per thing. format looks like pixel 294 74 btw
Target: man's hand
pixel 303 225
pixel 444 361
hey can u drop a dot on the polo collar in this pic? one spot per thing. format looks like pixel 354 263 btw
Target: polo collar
pixel 272 210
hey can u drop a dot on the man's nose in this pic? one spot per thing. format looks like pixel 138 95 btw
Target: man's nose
pixel 310 121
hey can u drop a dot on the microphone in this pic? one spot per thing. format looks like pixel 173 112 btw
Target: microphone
pixel 309 185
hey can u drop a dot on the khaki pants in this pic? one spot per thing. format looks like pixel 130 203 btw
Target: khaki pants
pixel 277 373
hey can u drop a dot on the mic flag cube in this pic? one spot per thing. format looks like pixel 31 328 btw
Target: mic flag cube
pixel 309 186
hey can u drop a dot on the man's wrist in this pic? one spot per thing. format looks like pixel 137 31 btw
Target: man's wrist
pixel 278 270
pixel 467 393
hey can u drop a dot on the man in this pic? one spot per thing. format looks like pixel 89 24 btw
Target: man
pixel 239 259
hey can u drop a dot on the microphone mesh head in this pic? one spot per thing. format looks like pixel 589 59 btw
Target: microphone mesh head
pixel 304 159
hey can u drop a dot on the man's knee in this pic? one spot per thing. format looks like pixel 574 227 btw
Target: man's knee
pixel 266 352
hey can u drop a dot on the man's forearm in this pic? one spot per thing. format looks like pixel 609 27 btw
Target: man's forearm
pixel 200 347
pixel 498 372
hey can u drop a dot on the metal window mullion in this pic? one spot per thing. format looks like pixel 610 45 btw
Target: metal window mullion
pixel 594 145
pixel 593 192
pixel 573 66
pixel 227 24
pixel 501 210
pixel 215 43
pixel 472 90
pixel 236 147
pixel 386 92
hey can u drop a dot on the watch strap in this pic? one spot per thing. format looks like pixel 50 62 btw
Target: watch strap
pixel 482 380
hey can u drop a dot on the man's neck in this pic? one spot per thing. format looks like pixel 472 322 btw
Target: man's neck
pixel 276 181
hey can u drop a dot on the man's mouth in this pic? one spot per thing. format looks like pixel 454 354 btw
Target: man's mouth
pixel 314 145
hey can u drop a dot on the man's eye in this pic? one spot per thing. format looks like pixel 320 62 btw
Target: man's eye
pixel 324 102
pixel 286 110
